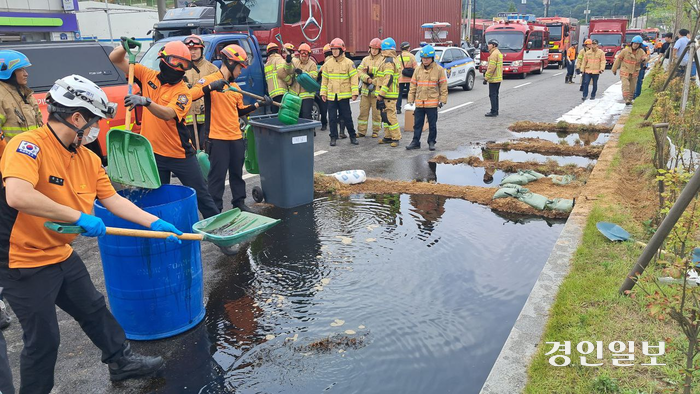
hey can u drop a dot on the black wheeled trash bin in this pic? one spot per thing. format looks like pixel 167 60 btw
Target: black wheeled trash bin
pixel 286 160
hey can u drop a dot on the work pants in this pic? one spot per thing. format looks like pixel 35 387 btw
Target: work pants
pixel 570 68
pixel 323 107
pixel 392 129
pixel 640 81
pixel 340 111
pixel 493 96
pixel 6 386
pixel 187 170
pixel 366 103
pixel 33 294
pixel 307 106
pixel 587 78
pixel 227 156
pixel 278 99
pixel 629 84
pixel 419 120
pixel 403 89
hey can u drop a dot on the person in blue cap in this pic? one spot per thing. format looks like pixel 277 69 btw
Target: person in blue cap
pixel 629 62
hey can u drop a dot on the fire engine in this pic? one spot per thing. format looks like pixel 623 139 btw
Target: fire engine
pixel 523 43
pixel 562 33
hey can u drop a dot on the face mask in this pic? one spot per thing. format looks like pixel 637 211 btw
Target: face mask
pixel 169 75
pixel 92 135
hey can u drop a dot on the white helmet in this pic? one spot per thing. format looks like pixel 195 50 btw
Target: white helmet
pixel 75 91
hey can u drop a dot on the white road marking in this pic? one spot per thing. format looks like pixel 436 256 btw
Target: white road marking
pixel 453 108
pixel 248 176
pixel 556 75
pixel 520 86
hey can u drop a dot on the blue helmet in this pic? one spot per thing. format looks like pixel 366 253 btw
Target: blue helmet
pixel 10 61
pixel 427 51
pixel 388 44
pixel 637 40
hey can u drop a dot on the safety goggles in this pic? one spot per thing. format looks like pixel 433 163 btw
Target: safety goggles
pixel 194 42
pixel 177 62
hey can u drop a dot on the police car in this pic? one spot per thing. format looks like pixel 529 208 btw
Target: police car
pixel 459 66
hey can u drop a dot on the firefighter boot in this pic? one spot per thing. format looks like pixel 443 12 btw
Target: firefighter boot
pixel 353 141
pixel 431 145
pixel 413 145
pixel 333 139
pixel 132 365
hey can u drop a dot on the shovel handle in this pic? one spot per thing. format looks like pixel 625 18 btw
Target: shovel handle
pixel 126 43
pixel 127 117
pixel 67 228
pixel 253 95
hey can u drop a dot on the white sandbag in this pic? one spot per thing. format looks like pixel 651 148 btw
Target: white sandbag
pixel 350 177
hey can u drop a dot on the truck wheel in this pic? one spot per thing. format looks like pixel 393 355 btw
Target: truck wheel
pixel 541 69
pixel 469 83
pixel 560 65
pixel 316 112
pixel 258 194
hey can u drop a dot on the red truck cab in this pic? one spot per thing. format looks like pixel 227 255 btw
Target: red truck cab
pixel 610 33
pixel 523 45
pixel 562 33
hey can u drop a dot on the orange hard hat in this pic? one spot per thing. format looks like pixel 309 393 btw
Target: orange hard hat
pixel 194 41
pixel 176 55
pixel 235 54
pixel 337 43
pixel 304 48
pixel 588 42
pixel 375 43
pixel 326 48
pixel 272 47
pixel 289 46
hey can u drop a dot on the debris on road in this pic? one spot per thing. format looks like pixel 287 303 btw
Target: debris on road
pixel 536 145
pixel 559 127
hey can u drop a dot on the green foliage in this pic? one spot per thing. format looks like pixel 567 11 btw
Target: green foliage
pixel 563 8
pixel 512 7
pixel 605 384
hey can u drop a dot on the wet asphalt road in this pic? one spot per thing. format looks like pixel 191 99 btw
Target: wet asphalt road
pixel 537 98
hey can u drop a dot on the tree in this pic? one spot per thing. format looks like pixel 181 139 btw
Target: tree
pixel 512 7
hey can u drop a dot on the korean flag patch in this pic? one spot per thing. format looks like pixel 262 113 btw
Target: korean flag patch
pixel 28 148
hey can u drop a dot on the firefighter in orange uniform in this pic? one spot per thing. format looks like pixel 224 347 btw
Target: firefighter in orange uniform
pixel 167 100
pixel 49 175
pixel 570 64
pixel 202 68
pixel 223 109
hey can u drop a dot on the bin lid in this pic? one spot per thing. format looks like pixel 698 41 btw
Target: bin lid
pixel 271 122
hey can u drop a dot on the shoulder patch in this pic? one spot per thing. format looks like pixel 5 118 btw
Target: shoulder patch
pixel 28 148
pixel 182 99
pixel 201 81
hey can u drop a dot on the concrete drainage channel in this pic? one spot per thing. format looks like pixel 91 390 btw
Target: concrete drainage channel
pixel 509 372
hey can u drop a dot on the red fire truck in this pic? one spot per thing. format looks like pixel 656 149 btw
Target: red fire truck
pixel 562 32
pixel 523 44
pixel 610 33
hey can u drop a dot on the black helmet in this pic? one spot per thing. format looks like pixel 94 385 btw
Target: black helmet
pixel 405 45
pixel 493 42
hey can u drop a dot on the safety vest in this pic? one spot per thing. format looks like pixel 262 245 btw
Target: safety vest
pixel 494 72
pixel 339 79
pixel 277 74
pixel 368 69
pixel 428 86
pixel 206 68
pixel 311 68
pixel 18 112
pixel 388 76
pixel 629 61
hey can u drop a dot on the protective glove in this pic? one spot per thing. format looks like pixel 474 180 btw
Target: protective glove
pixel 215 86
pixel 94 227
pixel 266 102
pixel 381 105
pixel 289 58
pixel 298 71
pixel 162 225
pixel 126 43
pixel 440 105
pixel 486 82
pixel 371 87
pixel 135 100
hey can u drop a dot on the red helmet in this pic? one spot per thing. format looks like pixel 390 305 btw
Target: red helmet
pixel 176 55
pixel 326 48
pixel 272 47
pixel 194 41
pixel 375 43
pixel 337 43
pixel 235 54
pixel 304 48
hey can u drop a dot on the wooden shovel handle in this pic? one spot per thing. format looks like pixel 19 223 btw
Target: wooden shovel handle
pixel 253 95
pixel 127 118
pixel 152 234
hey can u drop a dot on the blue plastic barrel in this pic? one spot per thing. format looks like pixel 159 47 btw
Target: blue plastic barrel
pixel 154 286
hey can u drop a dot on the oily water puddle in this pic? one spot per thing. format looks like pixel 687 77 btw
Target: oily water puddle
pixel 372 294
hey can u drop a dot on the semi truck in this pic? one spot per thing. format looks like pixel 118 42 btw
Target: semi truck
pixel 317 22
pixel 563 32
pixel 610 33
pixel 523 45
pixel 184 21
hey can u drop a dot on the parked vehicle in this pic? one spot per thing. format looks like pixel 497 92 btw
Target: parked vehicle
pixel 610 33
pixel 563 32
pixel 653 34
pixel 317 22
pixel 252 78
pixel 523 44
pixel 629 35
pixel 89 59
pixel 185 21
pixel 459 66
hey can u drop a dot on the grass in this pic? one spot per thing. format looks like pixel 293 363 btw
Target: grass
pixel 588 307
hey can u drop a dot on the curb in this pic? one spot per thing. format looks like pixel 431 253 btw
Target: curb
pixel 509 372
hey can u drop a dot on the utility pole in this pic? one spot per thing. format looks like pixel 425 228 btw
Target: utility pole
pixel 161 9
pixel 109 23
pixel 588 10
pixel 634 3
pixel 469 22
pixel 546 7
